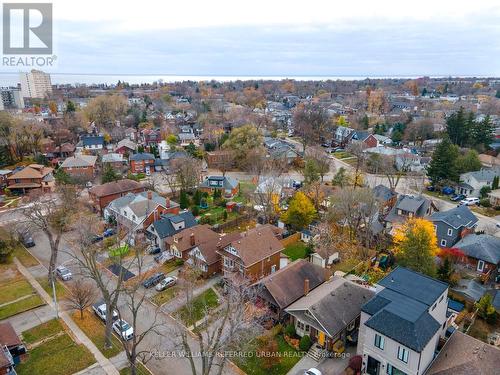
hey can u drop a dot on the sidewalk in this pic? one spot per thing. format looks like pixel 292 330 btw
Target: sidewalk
pixel 77 332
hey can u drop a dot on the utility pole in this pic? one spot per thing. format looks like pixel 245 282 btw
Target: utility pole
pixel 55 297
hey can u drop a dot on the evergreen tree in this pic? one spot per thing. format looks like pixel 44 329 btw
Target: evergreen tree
pixel 445 270
pixel 469 162
pixel 495 183
pixel 365 121
pixel 109 174
pixel 456 127
pixel 70 107
pixel 184 200
pixel 62 177
pixel 482 134
pixel 443 165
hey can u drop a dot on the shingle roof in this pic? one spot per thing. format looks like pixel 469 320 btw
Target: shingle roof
pixel 456 217
pixel 79 161
pixel 481 246
pixel 333 304
pixel 115 187
pixel 465 355
pixel 142 156
pixel 383 193
pixel 287 284
pixel 92 140
pixel 227 182
pixel 410 203
pixel 484 175
pixel 164 226
pixel 31 171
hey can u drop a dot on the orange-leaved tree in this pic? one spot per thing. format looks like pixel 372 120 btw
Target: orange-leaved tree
pixel 415 245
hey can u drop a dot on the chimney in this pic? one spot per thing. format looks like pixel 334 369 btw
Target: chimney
pixel 306 287
pixel 192 239
pixel 150 195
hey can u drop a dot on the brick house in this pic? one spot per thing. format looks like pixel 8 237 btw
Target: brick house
pixel 80 166
pixel 125 147
pixel 371 141
pixel 482 254
pixel 104 194
pixel 32 177
pixel 142 162
pixel 254 255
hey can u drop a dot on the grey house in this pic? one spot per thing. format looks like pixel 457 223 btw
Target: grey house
pixel 167 226
pixel 453 224
pixel 408 206
pixel 401 325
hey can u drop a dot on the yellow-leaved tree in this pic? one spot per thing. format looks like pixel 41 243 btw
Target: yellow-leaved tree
pixel 300 213
pixel 415 245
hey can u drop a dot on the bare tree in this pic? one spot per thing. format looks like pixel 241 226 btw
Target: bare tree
pixel 52 218
pixel 357 150
pixel 318 155
pixel 81 295
pixel 310 122
pixel 188 172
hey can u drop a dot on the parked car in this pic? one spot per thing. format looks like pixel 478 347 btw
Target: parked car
pixel 469 201
pixel 457 197
pixel 123 329
pixel 100 310
pixel 64 273
pixel 153 280
pixel 312 371
pixel 154 250
pixel 431 188
pixel 447 190
pixel 296 184
pixel 26 240
pixel 109 232
pixel 96 238
pixel 166 283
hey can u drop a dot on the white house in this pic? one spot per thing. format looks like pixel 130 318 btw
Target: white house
pixel 472 182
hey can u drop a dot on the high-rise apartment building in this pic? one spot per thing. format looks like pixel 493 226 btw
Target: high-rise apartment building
pixel 35 84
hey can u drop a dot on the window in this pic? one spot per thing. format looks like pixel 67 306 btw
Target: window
pixel 441 298
pixel 433 307
pixel 450 232
pixel 379 341
pixel 480 265
pixel 273 268
pixel 403 354
pixel 391 370
pixel 443 242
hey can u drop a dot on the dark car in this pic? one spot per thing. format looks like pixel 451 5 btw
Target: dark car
pixel 431 188
pixel 448 190
pixel 109 232
pixel 153 280
pixel 27 240
pixel 96 238
pixel 457 197
pixel 154 250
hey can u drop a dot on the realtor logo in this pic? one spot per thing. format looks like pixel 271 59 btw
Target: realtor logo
pixel 27 28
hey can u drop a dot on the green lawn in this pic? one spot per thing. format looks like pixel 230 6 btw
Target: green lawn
pixel 140 370
pixel 42 331
pixel 94 329
pixel 15 290
pixel 61 291
pixel 165 296
pixel 26 259
pixel 342 155
pixel 59 356
pixel 207 299
pixel 345 265
pixel 171 265
pixel 21 306
pixel 284 360
pixel 119 251
pixel 296 250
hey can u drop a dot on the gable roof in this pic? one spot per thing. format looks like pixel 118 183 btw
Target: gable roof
pixel 333 305
pixel 465 355
pixel 457 217
pixel 182 239
pixel 383 193
pixel 92 140
pixel 256 244
pixel 112 158
pixel 227 182
pixel 79 161
pixel 481 246
pixel 31 171
pixel 164 226
pixel 142 156
pixel 209 248
pixel 115 187
pixel 483 175
pixel 286 285
pixel 126 143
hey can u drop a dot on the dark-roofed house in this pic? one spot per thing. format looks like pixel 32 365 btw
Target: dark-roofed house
pixel 91 142
pixel 482 253
pixel 330 312
pixel 228 186
pixel 465 355
pixel 12 350
pixel 254 255
pixel 385 197
pixel 168 225
pixel 453 224
pixel 142 162
pixel 102 195
pixel 401 325
pixel 409 206
pixel 287 285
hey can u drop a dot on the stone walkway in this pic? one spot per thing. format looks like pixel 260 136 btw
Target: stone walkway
pixel 32 318
pixel 105 363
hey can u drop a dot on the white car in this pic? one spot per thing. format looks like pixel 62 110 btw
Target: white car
pixel 469 201
pixel 64 273
pixel 312 371
pixel 166 283
pixel 100 310
pixel 123 329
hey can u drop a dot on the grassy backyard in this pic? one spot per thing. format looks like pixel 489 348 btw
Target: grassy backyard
pixel 284 359
pixel 206 300
pixel 21 306
pixel 165 296
pixel 61 291
pixel 296 250
pixel 57 356
pixel 94 329
pixel 26 259
pixel 48 329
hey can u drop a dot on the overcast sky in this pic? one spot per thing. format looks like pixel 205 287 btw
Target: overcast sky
pixel 278 38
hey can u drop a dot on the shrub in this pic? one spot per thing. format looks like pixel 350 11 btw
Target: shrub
pixel 179 262
pixel 224 215
pixel 305 343
pixel 276 330
pixel 290 330
pixel 485 202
